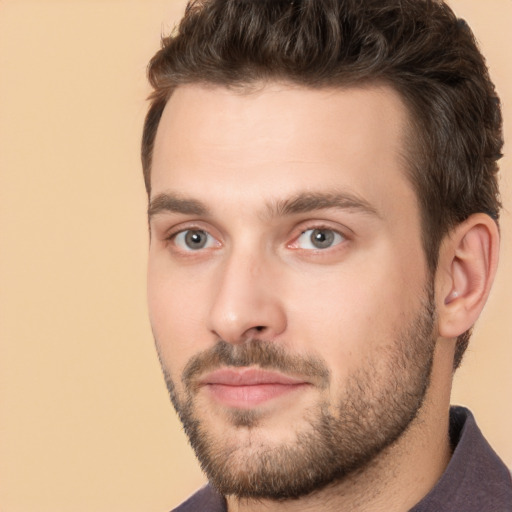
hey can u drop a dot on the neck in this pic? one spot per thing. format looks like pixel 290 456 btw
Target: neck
pixel 399 477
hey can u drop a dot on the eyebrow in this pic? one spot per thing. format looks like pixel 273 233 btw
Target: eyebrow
pixel 311 201
pixel 173 203
pixel 303 202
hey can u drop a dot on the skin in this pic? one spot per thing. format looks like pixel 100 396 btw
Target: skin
pixel 233 157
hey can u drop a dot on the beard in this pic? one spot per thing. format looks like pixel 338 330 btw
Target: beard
pixel 377 404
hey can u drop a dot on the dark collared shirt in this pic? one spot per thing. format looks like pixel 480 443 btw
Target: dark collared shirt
pixel 475 480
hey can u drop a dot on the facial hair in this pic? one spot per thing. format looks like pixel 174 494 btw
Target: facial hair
pixel 378 403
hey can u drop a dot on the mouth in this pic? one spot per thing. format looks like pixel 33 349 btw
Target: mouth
pixel 245 388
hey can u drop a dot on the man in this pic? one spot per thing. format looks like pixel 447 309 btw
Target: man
pixel 323 208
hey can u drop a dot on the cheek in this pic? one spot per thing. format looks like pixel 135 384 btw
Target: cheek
pixel 175 313
pixel 352 313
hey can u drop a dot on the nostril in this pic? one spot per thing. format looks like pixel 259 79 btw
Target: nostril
pixel 260 328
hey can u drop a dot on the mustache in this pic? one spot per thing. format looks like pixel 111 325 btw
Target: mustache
pixel 254 352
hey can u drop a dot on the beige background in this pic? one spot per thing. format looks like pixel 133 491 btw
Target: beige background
pixel 85 423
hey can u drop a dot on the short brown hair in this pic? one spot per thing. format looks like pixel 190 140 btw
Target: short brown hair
pixel 418 47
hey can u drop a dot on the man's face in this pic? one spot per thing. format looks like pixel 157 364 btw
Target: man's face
pixel 288 291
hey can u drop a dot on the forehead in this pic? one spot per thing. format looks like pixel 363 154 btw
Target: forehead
pixel 277 139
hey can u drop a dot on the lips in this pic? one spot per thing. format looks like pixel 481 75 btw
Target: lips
pixel 246 388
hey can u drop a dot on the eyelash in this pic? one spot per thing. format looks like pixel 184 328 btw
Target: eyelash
pixel 172 236
pixel 342 237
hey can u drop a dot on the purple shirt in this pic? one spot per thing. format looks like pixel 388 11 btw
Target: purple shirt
pixel 475 480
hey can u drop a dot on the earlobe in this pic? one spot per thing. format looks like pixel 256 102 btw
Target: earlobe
pixel 467 266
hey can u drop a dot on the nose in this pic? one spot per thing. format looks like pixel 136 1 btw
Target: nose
pixel 247 302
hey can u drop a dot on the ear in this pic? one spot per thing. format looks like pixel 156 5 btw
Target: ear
pixel 468 260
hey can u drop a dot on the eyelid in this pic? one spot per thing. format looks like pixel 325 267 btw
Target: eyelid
pixel 347 234
pixel 170 235
pixel 192 225
pixel 321 225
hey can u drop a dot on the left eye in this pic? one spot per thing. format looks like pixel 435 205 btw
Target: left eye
pixel 319 239
pixel 194 240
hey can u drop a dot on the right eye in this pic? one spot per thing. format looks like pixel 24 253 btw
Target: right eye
pixel 193 240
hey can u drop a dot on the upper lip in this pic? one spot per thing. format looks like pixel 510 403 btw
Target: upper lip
pixel 248 377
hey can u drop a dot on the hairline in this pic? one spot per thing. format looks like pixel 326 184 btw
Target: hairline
pixel 409 154
pixel 410 149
